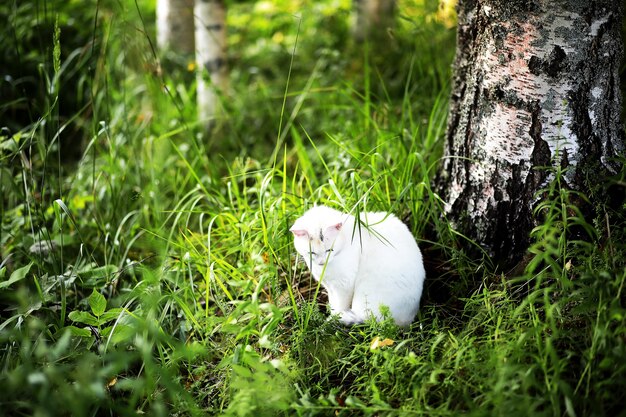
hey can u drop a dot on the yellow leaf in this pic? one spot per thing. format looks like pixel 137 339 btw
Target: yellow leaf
pixel 377 343
pixel 191 66
pixel 112 382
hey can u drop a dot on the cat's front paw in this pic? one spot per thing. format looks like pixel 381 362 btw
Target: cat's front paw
pixel 348 317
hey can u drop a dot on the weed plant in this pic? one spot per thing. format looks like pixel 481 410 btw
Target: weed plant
pixel 156 275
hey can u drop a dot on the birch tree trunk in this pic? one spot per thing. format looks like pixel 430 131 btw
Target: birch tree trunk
pixel 372 18
pixel 175 32
pixel 212 74
pixel 536 84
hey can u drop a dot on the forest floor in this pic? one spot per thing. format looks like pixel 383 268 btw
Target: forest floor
pixel 148 268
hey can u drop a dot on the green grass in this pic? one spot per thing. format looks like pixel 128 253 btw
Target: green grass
pixel 155 273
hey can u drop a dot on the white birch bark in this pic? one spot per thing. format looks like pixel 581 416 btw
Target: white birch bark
pixel 536 84
pixel 372 18
pixel 175 26
pixel 210 39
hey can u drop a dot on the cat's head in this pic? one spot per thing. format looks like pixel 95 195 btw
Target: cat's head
pixel 317 235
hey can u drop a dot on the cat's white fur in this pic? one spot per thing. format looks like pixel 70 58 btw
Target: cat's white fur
pixel 362 265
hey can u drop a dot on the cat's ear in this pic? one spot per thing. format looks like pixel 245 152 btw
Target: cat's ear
pixel 299 232
pixel 331 231
pixel 335 227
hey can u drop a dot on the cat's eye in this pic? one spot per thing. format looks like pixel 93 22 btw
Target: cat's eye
pixel 315 253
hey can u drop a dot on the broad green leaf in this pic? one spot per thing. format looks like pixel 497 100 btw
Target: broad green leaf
pixel 98 303
pixel 93 276
pixel 17 275
pixel 83 317
pixel 121 333
pixel 242 371
pixel 111 314
pixel 80 332
pixel 91 271
pixel 64 239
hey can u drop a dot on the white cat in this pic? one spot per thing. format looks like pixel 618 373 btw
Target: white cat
pixel 362 265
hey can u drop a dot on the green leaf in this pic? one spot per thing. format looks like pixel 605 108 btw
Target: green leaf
pixel 111 314
pixel 121 333
pixel 242 371
pixel 98 303
pixel 97 271
pixel 83 317
pixel 80 332
pixel 17 275
pixel 95 276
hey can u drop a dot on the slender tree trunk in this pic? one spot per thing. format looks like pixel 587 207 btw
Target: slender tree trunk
pixel 536 84
pixel 212 75
pixel 372 18
pixel 175 32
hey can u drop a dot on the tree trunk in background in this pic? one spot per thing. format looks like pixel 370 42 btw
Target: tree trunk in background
pixel 212 75
pixel 536 84
pixel 175 34
pixel 372 18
